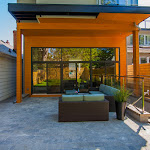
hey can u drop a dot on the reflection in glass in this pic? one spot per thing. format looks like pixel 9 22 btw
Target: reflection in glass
pixel 39 78
pixel 98 71
pixel 75 54
pixel 119 2
pixel 53 78
pixel 69 76
pixel 103 54
pixel 141 39
pixel 112 69
pixel 46 54
pixel 83 77
pixel 107 2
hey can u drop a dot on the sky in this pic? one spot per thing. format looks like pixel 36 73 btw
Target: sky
pixel 8 23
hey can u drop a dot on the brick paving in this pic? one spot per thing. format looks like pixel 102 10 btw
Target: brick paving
pixel 33 125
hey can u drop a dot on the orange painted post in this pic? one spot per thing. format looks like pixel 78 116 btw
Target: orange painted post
pixel 136 61
pixel 117 59
pixel 136 53
pixel 19 67
pixel 117 65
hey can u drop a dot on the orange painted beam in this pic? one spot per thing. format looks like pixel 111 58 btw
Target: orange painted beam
pixel 77 26
pixel 19 68
pixel 124 18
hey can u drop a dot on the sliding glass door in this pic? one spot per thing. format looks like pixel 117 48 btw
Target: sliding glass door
pixel 53 75
pixel 39 78
pixel 69 76
pixel 83 77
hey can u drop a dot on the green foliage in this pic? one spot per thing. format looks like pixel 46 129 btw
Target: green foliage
pixel 122 95
pixel 72 54
pixel 76 54
pixel 41 84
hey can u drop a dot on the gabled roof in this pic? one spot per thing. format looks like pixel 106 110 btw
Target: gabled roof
pixel 7 49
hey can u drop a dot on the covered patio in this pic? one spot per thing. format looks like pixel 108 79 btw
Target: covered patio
pixel 33 124
pixel 71 26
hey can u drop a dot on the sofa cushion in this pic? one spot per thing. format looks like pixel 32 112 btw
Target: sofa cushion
pixel 93 97
pixel 95 92
pixel 72 98
pixel 114 91
pixel 71 92
pixel 107 90
pixel 102 88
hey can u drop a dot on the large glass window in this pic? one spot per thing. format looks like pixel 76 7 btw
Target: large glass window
pixel 120 2
pixel 39 78
pixel 83 77
pixel 46 54
pixel 141 39
pixel 98 72
pixel 143 60
pixel 147 40
pixel 55 70
pixel 75 54
pixel 103 54
pixel 69 76
pixel 107 2
pixel 53 77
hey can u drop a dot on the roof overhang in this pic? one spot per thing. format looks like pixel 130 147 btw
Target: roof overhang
pixel 78 20
pixel 30 11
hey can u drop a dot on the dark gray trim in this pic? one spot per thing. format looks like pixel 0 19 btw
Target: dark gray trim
pixel 22 11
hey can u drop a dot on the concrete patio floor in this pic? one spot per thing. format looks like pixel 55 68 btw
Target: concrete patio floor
pixel 33 125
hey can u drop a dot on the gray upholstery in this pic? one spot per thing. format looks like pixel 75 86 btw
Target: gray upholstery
pixel 72 98
pixel 93 97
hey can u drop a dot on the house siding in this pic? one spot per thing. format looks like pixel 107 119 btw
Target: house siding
pixel 7 77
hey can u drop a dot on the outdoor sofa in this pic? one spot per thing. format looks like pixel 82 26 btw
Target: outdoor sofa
pixel 83 108
pixel 108 92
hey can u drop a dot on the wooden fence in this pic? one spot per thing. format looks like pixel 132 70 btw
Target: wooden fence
pixel 144 72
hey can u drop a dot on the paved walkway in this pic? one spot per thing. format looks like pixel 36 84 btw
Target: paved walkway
pixel 33 125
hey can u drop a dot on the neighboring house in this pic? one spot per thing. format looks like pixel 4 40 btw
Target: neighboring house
pixel 7 70
pixel 144 53
pixel 70 44
pixel 144 46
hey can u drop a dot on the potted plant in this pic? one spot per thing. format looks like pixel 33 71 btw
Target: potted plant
pixel 121 98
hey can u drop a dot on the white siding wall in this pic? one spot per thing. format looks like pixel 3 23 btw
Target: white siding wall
pixel 7 77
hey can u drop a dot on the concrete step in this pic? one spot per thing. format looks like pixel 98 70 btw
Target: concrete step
pixel 137 113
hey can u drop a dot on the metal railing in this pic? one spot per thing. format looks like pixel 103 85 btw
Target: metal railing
pixel 136 85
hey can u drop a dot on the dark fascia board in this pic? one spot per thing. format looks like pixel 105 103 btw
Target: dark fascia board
pixel 145 29
pixel 42 9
